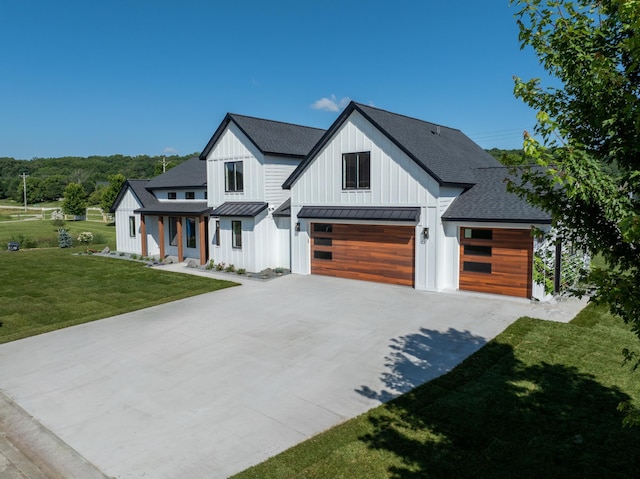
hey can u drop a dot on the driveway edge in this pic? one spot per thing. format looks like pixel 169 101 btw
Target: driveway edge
pixel 35 451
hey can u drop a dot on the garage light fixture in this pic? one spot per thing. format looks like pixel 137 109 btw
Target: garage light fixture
pixel 425 233
pixel 297 226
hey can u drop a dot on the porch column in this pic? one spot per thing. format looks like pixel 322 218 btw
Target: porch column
pixel 161 235
pixel 143 235
pixel 203 241
pixel 180 253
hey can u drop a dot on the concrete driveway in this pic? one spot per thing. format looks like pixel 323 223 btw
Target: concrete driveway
pixel 208 386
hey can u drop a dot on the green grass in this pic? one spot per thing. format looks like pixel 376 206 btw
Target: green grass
pixel 48 289
pixel 538 401
pixel 43 234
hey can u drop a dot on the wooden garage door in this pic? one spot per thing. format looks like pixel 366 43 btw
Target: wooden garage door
pixel 496 261
pixel 367 252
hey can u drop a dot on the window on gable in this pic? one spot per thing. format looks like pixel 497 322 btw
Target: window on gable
pixel 190 195
pixel 233 179
pixel 171 195
pixel 356 171
pixel 236 234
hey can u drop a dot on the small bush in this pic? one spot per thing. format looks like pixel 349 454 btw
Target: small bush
pixel 25 241
pixel 134 256
pixel 279 270
pixel 86 237
pixel 230 269
pixel 220 266
pixel 210 265
pixel 64 239
pixel 58 223
pixel 99 238
pixel 121 254
pixel 242 271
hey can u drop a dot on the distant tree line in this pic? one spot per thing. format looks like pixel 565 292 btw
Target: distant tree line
pixel 48 177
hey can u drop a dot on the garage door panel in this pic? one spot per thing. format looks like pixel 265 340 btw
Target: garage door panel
pixel 367 252
pixel 510 261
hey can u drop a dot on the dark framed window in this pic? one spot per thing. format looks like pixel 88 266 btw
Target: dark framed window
pixel 477 267
pixel 190 195
pixel 132 226
pixel 323 255
pixel 217 233
pixel 191 232
pixel 477 250
pixel 236 234
pixel 356 171
pixel 233 179
pixel 173 231
pixel 322 228
pixel 470 233
pixel 323 241
pixel 171 195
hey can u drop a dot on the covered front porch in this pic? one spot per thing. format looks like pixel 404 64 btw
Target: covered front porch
pixel 177 229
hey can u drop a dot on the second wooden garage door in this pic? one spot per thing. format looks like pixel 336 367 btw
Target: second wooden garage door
pixel 368 252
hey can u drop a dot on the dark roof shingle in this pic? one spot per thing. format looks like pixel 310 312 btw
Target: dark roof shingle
pixel 488 200
pixel 270 137
pixel 191 173
pixel 447 154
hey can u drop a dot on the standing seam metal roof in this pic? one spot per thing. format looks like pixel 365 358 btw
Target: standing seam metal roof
pixel 363 213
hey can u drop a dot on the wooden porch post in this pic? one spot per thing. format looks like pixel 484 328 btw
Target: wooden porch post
pixel 203 240
pixel 143 235
pixel 180 245
pixel 161 235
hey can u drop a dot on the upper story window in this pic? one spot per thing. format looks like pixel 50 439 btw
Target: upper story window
pixel 171 195
pixel 233 180
pixel 356 171
pixel 190 195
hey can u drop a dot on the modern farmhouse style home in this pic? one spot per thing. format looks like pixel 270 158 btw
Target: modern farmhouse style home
pixel 378 196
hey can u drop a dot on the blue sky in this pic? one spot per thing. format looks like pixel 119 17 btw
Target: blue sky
pixel 80 78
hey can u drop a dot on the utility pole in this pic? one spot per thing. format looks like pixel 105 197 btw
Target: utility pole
pixel 24 186
pixel 164 163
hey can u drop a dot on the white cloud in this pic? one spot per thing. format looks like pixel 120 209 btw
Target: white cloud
pixel 169 151
pixel 331 104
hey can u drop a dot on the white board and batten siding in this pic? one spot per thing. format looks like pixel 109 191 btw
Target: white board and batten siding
pixel 262 181
pixel 124 242
pixel 396 180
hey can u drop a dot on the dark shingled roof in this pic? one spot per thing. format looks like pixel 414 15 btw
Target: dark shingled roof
pixel 489 201
pixel 240 208
pixel 176 207
pixel 139 190
pixel 284 209
pixel 367 213
pixel 270 137
pixel 188 174
pixel 447 154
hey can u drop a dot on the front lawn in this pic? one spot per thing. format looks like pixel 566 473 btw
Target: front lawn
pixel 538 401
pixel 47 289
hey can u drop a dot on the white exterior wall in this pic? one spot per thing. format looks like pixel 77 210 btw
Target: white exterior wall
pixel 283 242
pixel 124 242
pixel 262 236
pixel 276 171
pixel 233 145
pixel 396 180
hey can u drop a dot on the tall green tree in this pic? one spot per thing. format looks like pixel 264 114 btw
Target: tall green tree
pixel 74 202
pixel 585 169
pixel 110 194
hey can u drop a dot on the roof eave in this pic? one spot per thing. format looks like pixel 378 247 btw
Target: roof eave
pixel 498 220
